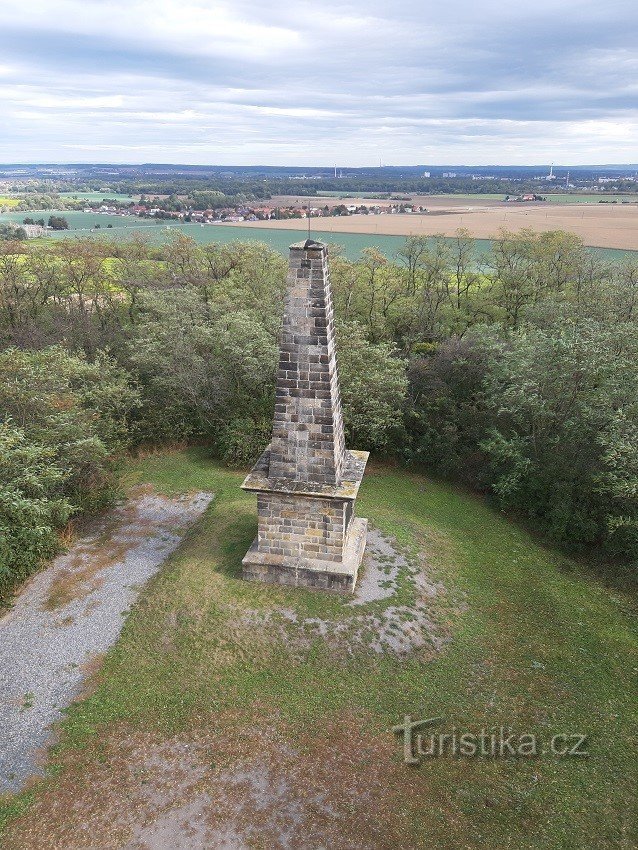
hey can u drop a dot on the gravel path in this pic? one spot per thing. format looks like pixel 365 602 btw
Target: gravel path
pixel 71 613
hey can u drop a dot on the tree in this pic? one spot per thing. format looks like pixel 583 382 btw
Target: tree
pixel 198 371
pixel 58 222
pixel 563 448
pixel 31 504
pixel 373 388
pixel 63 422
pixel 447 414
pixel 74 408
pixel 11 232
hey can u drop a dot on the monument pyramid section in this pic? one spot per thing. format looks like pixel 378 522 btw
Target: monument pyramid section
pixel 307 481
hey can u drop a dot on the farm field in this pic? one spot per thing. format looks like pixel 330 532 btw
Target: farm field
pixel 447 201
pixel 277 235
pixel 210 695
pixel 594 198
pixel 598 225
pixel 99 196
pixel 429 201
pixel 81 221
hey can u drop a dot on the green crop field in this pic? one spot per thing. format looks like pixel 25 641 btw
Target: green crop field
pixel 158 232
pixel 536 643
pixel 575 198
pixel 99 196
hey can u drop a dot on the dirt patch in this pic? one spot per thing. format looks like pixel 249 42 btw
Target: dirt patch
pixel 243 782
pixel 391 611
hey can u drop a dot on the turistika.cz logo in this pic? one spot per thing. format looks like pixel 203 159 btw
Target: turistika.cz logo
pixel 502 742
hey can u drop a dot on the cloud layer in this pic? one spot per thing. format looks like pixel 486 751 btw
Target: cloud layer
pixel 246 82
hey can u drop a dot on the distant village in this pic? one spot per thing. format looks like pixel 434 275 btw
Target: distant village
pixel 249 212
pixel 266 211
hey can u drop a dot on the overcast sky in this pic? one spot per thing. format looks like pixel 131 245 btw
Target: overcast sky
pixel 323 82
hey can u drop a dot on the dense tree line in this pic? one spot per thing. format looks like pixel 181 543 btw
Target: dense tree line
pixel 12 232
pixel 516 374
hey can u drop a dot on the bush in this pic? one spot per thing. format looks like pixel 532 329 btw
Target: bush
pixel 447 415
pixel 563 447
pixel 199 371
pixel 12 233
pixel 58 222
pixel 243 440
pixel 62 425
pixel 31 505
pixel 546 419
pixel 373 389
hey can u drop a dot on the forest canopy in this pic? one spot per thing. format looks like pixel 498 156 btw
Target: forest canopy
pixel 514 375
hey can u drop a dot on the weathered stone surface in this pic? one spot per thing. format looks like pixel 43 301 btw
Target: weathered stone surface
pixel 306 480
pixel 307 439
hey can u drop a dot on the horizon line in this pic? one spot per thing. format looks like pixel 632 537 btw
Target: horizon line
pixel 35 163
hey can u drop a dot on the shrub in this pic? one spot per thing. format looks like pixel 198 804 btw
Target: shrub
pixel 563 447
pixel 373 389
pixel 31 505
pixel 62 425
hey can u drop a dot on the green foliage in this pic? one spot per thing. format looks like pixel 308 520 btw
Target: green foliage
pixel 58 222
pixel 63 421
pixel 446 417
pixel 199 370
pixel 544 418
pixel 12 232
pixel 243 439
pixel 197 329
pixel 209 200
pixel 563 448
pixel 31 504
pixel 373 388
pixel 35 201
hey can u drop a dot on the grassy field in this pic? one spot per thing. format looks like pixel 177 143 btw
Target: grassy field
pixel 352 243
pixel 575 198
pixel 81 221
pixel 477 197
pixel 99 196
pixel 536 643
pixel 8 202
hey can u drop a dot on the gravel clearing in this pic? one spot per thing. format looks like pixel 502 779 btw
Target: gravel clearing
pixel 71 613
pixel 374 619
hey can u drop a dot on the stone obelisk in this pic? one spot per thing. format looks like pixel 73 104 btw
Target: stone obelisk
pixel 307 481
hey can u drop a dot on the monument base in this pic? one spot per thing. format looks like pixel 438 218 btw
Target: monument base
pixel 339 576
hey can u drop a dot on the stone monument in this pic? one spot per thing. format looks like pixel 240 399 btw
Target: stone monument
pixel 307 481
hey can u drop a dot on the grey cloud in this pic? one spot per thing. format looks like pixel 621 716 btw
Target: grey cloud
pixel 374 78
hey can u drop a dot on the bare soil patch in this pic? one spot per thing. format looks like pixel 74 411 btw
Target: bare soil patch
pixel 244 781
pixel 391 611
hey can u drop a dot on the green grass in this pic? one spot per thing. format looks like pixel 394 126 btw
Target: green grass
pixel 578 198
pixel 99 196
pixel 538 644
pixel 158 233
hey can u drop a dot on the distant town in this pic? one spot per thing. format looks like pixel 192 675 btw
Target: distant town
pixel 400 200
